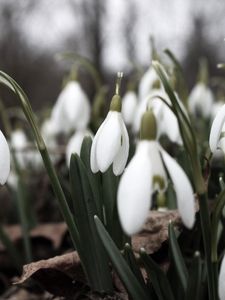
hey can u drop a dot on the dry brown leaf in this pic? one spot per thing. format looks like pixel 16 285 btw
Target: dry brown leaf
pixel 155 230
pixel 57 275
pixel 54 232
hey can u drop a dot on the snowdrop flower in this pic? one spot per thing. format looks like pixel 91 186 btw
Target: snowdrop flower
pixel 147 83
pixel 4 159
pixel 145 174
pixel 201 100
pixel 49 133
pixel 20 144
pixel 215 109
pixel 221 289
pixel 216 137
pixel 111 142
pixel 166 120
pixel 25 155
pixel 12 180
pixel 129 106
pixel 75 143
pixel 72 109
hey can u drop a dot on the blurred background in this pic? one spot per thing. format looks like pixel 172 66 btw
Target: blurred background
pixel 114 34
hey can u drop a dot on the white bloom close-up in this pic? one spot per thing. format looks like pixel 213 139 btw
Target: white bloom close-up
pixel 147 82
pixel 166 120
pixel 25 152
pixel 75 143
pixel 201 100
pixel 221 288
pixel 71 110
pixel 216 138
pixel 4 159
pixel 134 196
pixel 110 145
pixel 20 145
pixel 129 107
pixel 216 108
pixel 49 133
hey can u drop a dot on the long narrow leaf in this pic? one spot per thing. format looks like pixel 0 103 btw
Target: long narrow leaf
pixel 128 278
pixel 94 179
pixel 93 253
pixel 132 262
pixel 177 258
pixel 194 279
pixel 157 277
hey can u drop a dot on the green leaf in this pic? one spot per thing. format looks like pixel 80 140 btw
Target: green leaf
pixel 131 283
pixel 177 258
pixel 94 179
pixel 109 186
pixel 186 130
pixel 194 279
pixel 216 215
pixel 157 276
pixel 181 82
pixel 93 254
pixel 132 262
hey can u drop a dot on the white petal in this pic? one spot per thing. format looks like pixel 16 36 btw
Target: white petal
pixel 183 190
pixel 216 108
pixel 170 126
pixel 216 129
pixel 4 159
pixel 122 156
pixel 93 160
pixel 109 141
pixel 72 108
pixel 146 83
pixel 129 104
pixel 134 191
pixel 75 143
pixel 157 164
pixel 142 106
pixel 221 289
pixel 201 99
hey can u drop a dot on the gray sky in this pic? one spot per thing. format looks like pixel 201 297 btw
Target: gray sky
pixel 170 22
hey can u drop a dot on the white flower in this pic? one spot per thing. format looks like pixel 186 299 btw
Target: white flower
pixel 221 289
pixel 4 159
pixel 166 120
pixel 129 106
pixel 49 133
pixel 144 174
pixel 201 100
pixel 25 155
pixel 72 109
pixel 110 145
pixel 75 143
pixel 216 139
pixel 215 109
pixel 20 145
pixel 146 83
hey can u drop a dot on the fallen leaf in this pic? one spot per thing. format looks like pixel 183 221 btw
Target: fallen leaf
pixel 155 230
pixel 53 232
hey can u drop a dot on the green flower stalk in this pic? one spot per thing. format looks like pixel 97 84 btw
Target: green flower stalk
pixel 190 144
pixel 13 86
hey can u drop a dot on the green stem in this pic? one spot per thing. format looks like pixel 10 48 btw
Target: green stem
pixel 60 196
pixel 215 223
pixel 206 234
pixel 21 190
pixel 24 221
